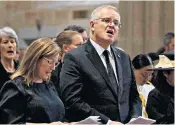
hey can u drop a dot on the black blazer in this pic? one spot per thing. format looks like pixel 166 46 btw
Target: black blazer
pixel 5 76
pixel 87 91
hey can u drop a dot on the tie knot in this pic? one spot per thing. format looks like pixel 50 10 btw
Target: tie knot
pixel 106 53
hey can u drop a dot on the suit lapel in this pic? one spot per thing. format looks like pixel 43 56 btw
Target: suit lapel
pixel 118 62
pixel 98 64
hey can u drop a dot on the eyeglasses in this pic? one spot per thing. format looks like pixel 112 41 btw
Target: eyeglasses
pixel 51 62
pixel 109 20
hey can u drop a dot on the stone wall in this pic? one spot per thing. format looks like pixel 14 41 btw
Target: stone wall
pixel 144 22
pixel 144 25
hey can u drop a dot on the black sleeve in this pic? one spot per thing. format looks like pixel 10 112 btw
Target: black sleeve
pixel 71 90
pixel 155 105
pixel 12 104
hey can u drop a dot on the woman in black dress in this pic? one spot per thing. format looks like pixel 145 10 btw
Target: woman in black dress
pixel 8 45
pixel 160 103
pixel 30 97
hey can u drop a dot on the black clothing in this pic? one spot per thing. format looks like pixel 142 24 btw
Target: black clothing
pixel 34 103
pixel 160 103
pixel 112 79
pixel 55 77
pixel 86 89
pixel 5 76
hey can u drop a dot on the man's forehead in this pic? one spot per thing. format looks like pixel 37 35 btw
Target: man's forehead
pixel 108 12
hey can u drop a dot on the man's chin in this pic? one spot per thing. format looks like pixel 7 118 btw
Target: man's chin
pixel 110 39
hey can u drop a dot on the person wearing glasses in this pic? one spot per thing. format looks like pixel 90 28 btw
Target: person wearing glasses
pixel 96 78
pixel 66 40
pixel 142 64
pixel 30 97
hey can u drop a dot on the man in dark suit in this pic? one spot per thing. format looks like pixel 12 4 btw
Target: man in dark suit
pixel 97 79
pixel 66 40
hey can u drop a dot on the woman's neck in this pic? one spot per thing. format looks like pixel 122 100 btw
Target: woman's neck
pixel 37 80
pixel 8 64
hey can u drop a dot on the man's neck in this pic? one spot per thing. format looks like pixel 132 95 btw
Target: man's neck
pixel 101 43
pixel 62 57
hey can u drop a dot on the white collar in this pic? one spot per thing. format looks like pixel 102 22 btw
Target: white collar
pixel 100 49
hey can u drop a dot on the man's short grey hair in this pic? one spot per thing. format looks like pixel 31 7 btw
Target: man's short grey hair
pixel 95 13
pixel 9 32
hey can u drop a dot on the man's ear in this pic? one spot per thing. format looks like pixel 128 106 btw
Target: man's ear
pixel 92 25
pixel 65 48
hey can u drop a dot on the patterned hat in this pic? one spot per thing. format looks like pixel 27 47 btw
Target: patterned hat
pixel 164 63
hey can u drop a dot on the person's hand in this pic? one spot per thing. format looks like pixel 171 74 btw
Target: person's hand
pixel 115 123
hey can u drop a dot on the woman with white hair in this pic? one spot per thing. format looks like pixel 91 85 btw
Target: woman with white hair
pixel 8 45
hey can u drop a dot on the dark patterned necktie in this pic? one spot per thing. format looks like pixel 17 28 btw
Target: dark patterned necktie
pixel 110 70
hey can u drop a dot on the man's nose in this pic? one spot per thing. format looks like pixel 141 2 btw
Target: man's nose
pixel 111 23
pixel 53 66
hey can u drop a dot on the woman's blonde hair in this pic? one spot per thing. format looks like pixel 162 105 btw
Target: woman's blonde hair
pixel 42 47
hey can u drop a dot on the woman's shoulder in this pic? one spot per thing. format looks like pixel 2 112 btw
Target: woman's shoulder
pixel 18 81
pixel 17 84
pixel 156 94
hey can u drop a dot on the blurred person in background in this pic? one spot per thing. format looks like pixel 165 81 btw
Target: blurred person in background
pixel 30 97
pixel 66 40
pixel 21 53
pixel 154 57
pixel 168 43
pixel 8 48
pixel 160 103
pixel 79 29
pixel 17 55
pixel 142 63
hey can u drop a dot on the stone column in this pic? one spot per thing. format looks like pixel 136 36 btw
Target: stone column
pixel 145 24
